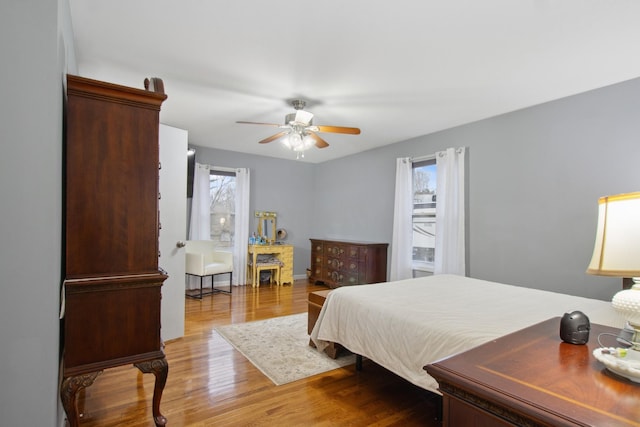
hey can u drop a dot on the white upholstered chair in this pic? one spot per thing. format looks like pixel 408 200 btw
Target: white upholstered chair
pixel 203 260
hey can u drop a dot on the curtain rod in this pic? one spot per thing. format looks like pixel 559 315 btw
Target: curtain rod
pixel 422 158
pixel 223 168
pixel 219 168
pixel 433 156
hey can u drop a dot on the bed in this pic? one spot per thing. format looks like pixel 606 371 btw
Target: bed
pixel 408 324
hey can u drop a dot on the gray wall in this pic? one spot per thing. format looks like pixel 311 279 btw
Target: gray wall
pixel 534 178
pixel 283 186
pixel 36 47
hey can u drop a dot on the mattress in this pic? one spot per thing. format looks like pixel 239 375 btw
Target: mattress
pixel 407 324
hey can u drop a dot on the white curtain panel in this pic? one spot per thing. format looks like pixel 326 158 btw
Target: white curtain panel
pixel 200 225
pixel 401 243
pixel 450 232
pixel 241 244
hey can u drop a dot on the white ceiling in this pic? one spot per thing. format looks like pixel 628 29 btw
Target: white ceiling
pixel 396 69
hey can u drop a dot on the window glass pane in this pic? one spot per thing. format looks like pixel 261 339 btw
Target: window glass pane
pixel 222 191
pixel 424 215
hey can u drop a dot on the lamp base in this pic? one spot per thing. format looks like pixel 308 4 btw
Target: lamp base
pixel 621 361
pixel 627 303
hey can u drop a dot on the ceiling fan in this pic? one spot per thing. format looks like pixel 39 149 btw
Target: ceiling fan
pixel 300 131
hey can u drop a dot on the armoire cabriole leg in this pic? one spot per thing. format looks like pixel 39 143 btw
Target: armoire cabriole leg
pixel 69 390
pixel 159 368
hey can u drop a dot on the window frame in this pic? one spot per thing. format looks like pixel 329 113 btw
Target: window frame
pixel 215 223
pixel 425 212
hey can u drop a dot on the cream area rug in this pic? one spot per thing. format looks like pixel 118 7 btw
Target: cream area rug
pixel 279 347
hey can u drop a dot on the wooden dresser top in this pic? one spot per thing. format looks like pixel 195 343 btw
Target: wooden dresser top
pixel 534 372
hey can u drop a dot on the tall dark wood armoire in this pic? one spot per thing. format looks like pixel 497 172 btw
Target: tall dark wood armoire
pixel 112 284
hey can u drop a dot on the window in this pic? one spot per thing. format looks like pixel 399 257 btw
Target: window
pixel 222 191
pixel 424 215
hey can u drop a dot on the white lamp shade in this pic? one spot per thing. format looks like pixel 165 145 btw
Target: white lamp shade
pixel 617 247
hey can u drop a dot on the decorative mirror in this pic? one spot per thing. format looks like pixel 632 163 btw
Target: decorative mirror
pixel 266 225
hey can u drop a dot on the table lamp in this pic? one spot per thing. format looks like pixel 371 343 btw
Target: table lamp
pixel 617 253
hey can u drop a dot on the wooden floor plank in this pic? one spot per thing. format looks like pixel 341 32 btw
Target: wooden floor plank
pixel 212 384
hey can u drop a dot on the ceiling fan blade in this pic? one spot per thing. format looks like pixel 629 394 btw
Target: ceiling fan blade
pixel 320 143
pixel 273 137
pixel 257 123
pixel 338 129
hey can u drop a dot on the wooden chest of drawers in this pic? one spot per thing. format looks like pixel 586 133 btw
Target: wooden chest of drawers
pixel 340 263
pixel 532 378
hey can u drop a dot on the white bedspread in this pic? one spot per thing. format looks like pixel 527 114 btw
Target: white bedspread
pixel 405 325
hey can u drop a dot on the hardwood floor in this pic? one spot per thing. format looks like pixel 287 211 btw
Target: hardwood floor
pixel 210 383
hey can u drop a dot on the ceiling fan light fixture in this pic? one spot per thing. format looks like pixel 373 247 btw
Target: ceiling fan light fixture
pixel 308 142
pixel 298 133
pixel 295 140
pixel 298 141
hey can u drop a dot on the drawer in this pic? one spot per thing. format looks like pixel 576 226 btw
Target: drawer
pixel 334 263
pixel 341 278
pixel 317 272
pixel 354 252
pixel 353 266
pixel 334 250
pixel 334 275
pixel 351 279
pixel 317 247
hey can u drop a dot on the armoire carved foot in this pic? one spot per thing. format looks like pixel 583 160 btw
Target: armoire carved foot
pixel 159 368
pixel 69 390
